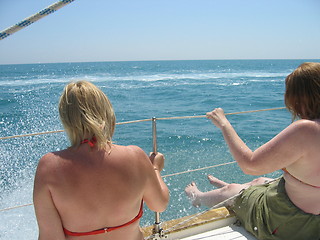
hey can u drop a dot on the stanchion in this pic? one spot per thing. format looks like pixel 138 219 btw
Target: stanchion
pixel 157 230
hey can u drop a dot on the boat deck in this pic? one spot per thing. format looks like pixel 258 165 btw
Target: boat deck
pixel 224 233
pixel 213 224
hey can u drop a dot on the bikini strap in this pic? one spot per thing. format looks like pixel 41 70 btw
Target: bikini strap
pixel 91 142
pixel 79 234
pixel 136 218
pixel 106 229
pixel 286 171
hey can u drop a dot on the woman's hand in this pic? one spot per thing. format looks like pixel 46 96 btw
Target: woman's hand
pixel 218 117
pixel 157 159
pixel 156 194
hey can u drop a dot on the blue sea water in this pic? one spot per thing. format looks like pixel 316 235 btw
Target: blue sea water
pixel 139 90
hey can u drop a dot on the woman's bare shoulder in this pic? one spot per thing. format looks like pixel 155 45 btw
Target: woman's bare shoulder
pixel 45 168
pixel 50 157
pixel 50 161
pixel 306 122
pixel 133 154
pixel 131 149
pixel 306 126
pixel 47 159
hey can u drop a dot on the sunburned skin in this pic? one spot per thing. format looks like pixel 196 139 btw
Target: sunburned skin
pixel 303 196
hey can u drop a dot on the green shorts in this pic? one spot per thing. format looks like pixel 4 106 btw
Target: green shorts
pixel 267 212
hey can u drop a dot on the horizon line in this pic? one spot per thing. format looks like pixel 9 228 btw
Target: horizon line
pixel 169 60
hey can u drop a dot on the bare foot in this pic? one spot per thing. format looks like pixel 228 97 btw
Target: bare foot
pixel 216 182
pixel 193 193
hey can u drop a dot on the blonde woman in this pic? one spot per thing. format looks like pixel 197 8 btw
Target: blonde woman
pixel 95 189
pixel 289 207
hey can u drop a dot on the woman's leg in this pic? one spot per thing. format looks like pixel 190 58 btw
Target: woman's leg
pixel 225 191
pixel 213 197
pixel 216 182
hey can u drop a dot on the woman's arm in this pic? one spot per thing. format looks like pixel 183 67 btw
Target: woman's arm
pixel 156 193
pixel 48 218
pixel 279 152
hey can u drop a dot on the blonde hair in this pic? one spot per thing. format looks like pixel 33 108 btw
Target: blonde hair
pixel 86 112
pixel 302 96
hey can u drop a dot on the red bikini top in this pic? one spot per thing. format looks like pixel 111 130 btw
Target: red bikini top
pixel 106 229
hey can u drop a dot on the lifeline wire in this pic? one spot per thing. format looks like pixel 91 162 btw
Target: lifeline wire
pixel 28 21
pixel 146 120
pixel 198 169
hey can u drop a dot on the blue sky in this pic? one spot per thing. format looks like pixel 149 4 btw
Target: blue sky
pixel 129 30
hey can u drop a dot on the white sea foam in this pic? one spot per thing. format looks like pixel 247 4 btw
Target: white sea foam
pixel 193 75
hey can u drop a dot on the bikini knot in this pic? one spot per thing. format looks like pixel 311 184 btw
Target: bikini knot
pixel 91 142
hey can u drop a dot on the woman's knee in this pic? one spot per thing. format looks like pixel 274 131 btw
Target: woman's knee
pixel 260 180
pixel 233 188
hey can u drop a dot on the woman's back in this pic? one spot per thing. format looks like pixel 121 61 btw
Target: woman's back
pixel 92 189
pixel 303 176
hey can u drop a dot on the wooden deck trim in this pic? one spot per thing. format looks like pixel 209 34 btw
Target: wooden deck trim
pixel 210 216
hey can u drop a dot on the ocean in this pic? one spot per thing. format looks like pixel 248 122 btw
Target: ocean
pixel 29 97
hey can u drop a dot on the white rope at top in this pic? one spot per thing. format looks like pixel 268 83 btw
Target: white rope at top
pixel 26 22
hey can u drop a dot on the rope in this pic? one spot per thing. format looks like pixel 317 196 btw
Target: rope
pixel 27 21
pixel 15 207
pixel 198 169
pixel 146 120
pixel 135 121
pixel 59 131
pixel 203 116
pixel 31 134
